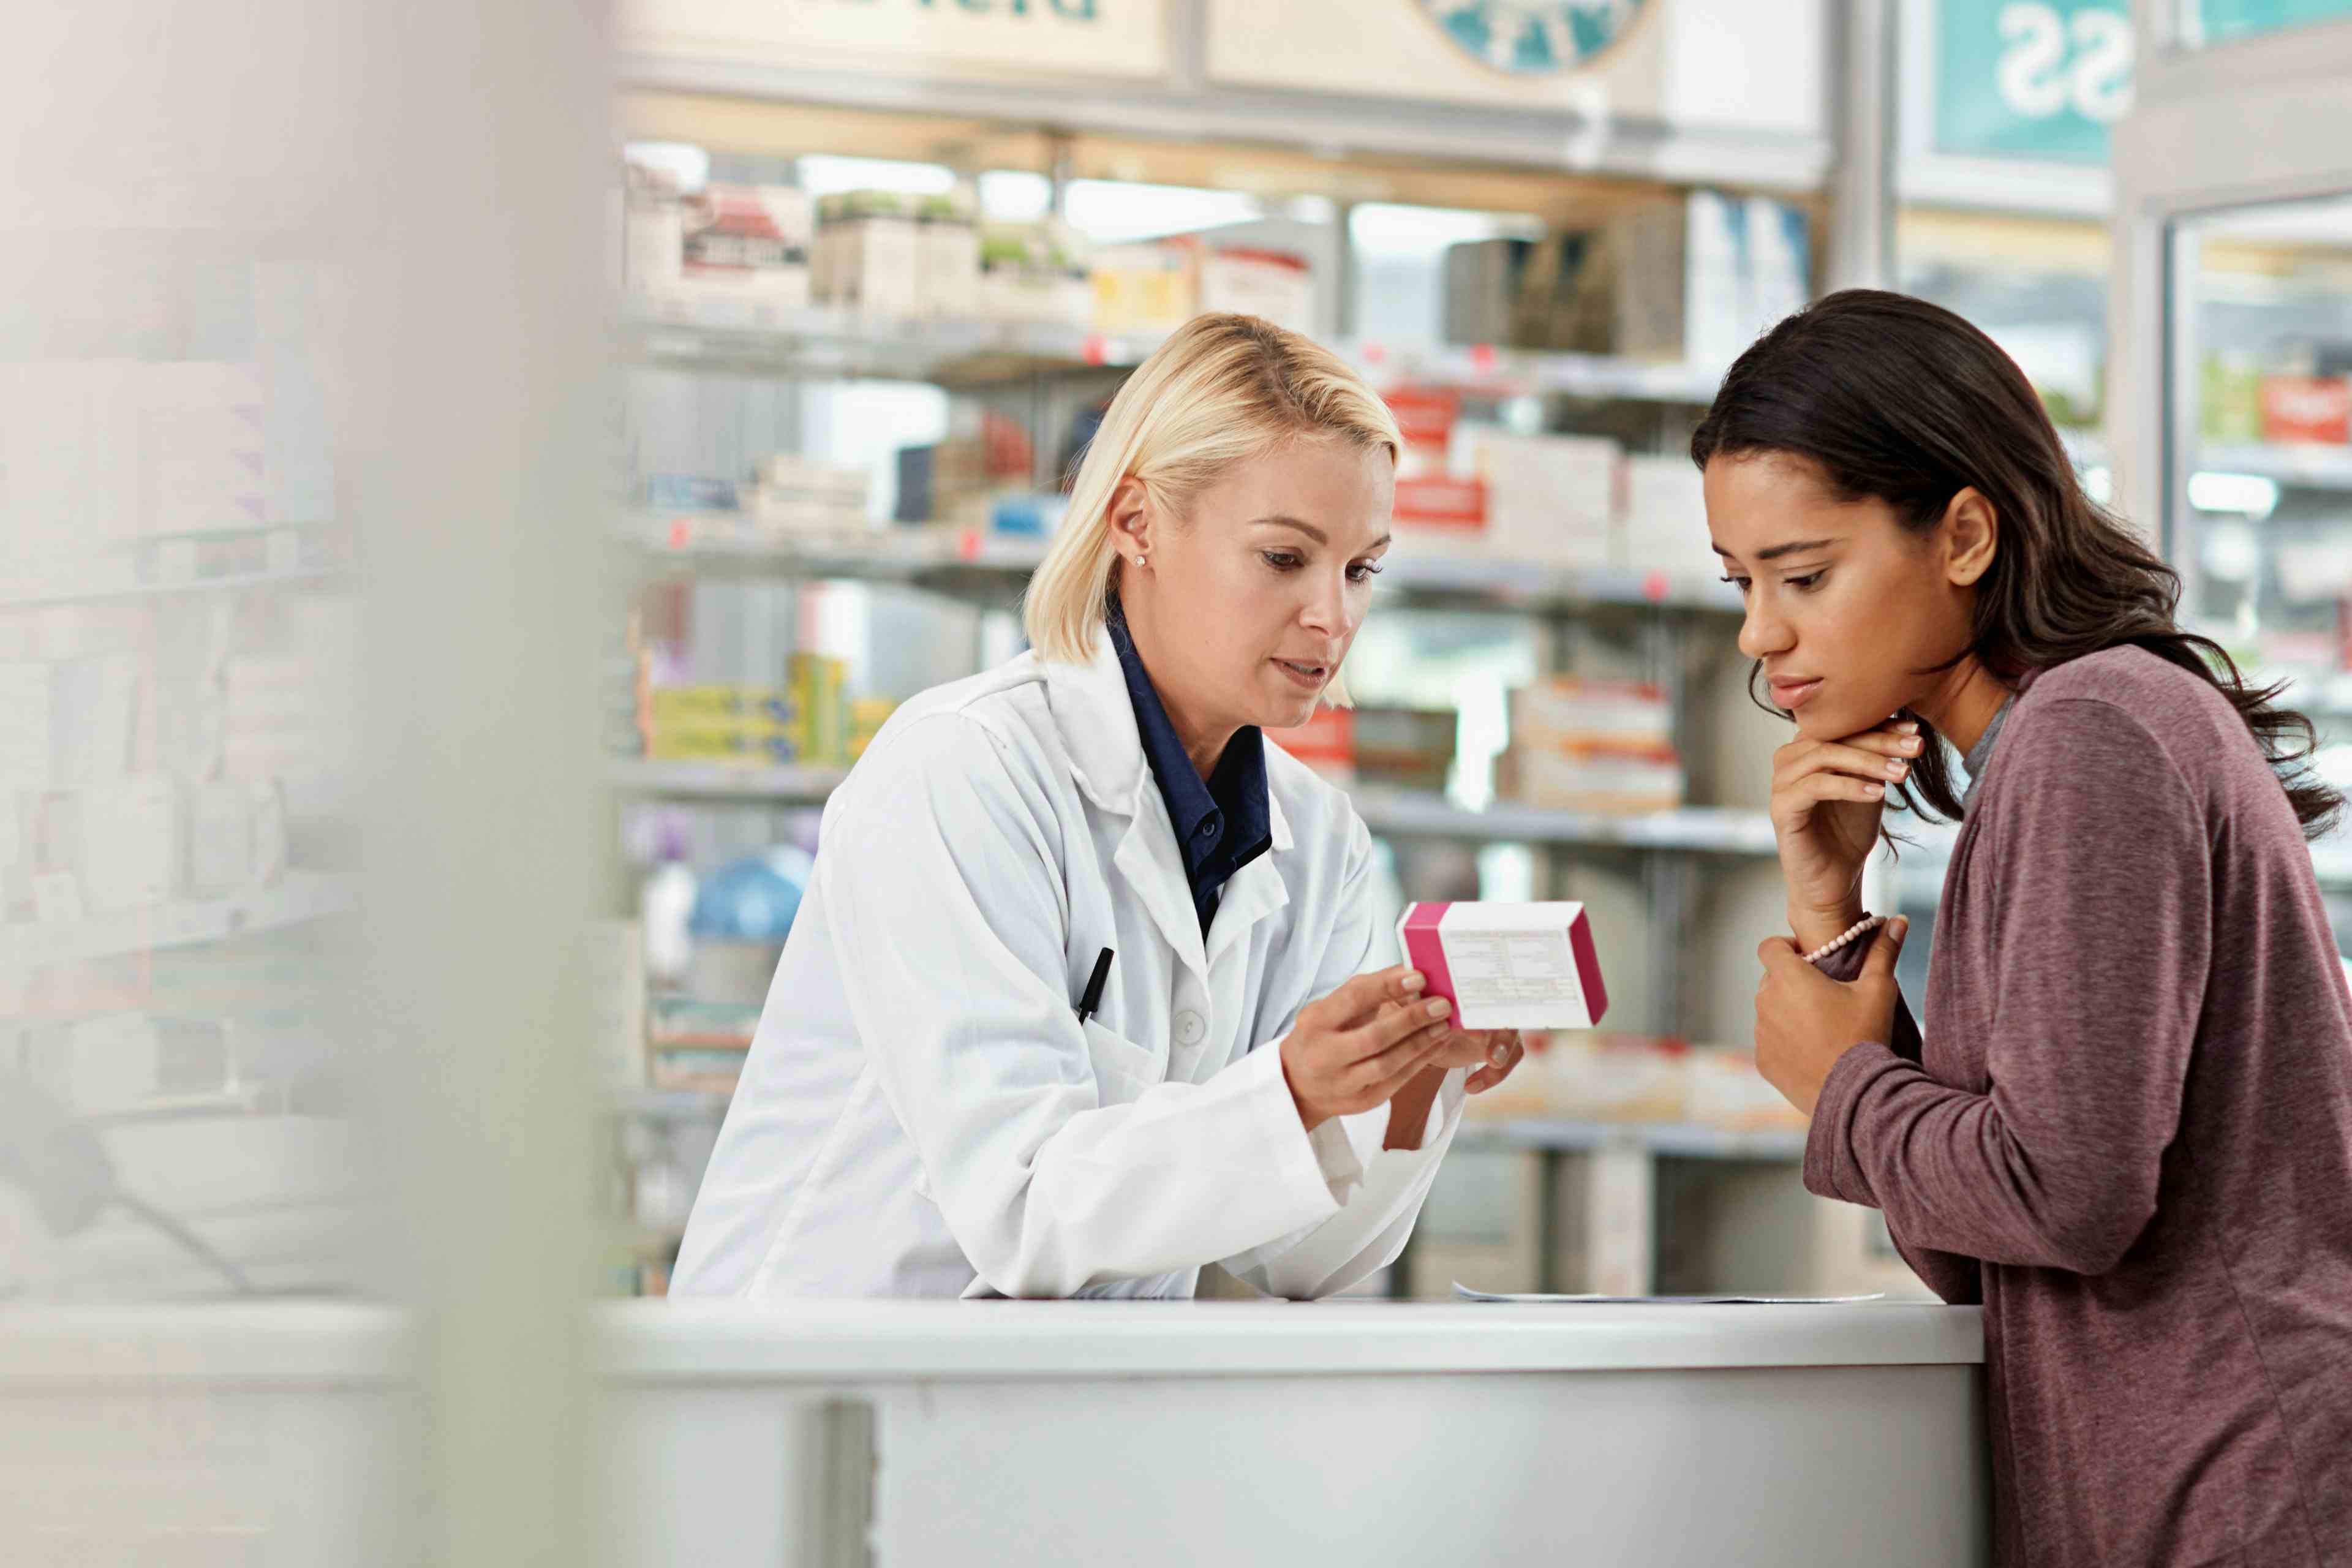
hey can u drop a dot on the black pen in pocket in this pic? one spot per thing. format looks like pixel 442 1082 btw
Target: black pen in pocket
pixel 1093 998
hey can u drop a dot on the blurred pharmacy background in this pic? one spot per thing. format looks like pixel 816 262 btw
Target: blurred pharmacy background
pixel 471 482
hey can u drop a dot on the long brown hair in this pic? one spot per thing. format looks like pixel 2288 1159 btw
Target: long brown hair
pixel 1897 400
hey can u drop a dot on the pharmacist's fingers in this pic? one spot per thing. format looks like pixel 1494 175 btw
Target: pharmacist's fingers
pixel 1415 1058
pixel 1474 1048
pixel 1408 1055
pixel 1390 1026
pixel 1360 1000
pixel 1488 1077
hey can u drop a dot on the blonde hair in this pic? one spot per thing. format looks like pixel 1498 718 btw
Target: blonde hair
pixel 1223 390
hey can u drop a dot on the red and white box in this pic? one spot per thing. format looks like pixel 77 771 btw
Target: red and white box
pixel 1507 967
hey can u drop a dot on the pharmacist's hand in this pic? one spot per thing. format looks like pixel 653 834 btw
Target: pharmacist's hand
pixel 1492 1052
pixel 1356 1048
pixel 1805 1020
pixel 1827 798
pixel 1502 1050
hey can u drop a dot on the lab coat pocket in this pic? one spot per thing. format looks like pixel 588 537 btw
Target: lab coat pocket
pixel 1123 1070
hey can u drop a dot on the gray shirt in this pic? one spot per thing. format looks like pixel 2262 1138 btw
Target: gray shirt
pixel 1979 755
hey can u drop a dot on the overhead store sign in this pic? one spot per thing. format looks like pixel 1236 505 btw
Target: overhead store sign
pixel 948 38
pixel 2031 78
pixel 1754 65
pixel 1538 38
pixel 2219 21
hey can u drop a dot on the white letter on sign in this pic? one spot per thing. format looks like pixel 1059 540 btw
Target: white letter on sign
pixel 2033 73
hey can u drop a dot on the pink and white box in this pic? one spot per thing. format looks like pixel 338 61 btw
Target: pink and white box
pixel 1507 967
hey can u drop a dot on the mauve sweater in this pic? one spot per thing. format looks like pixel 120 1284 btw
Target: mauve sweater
pixel 2129 1133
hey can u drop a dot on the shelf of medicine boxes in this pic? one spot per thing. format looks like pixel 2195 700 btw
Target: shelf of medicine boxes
pixel 183 922
pixel 1677 1141
pixel 277 555
pixel 950 559
pixel 751 338
pixel 1395 814
pixel 106 584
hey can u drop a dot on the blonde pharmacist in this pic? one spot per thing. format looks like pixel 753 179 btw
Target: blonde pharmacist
pixel 953 1091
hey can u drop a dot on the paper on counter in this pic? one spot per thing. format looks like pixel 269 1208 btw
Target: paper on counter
pixel 1467 1294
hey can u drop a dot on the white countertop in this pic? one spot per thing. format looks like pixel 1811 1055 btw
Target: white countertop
pixel 836 1342
pixel 315 1342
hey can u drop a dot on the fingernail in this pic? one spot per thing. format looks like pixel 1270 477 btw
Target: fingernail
pixel 1413 982
pixel 1908 726
pixel 1911 744
pixel 1875 792
pixel 1901 927
pixel 1439 1006
pixel 1896 770
pixel 1499 1055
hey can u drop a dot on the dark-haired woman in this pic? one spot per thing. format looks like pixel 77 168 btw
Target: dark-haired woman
pixel 2128 1131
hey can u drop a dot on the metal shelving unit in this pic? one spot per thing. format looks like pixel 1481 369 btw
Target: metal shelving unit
pixel 993 567
pixel 725 780
pixel 1404 813
pixel 751 338
pixel 1681 1141
pixel 301 896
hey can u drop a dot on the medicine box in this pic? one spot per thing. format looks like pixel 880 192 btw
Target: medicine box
pixel 1507 967
pixel 747 242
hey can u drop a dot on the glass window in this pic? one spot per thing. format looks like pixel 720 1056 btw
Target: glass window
pixel 2260 515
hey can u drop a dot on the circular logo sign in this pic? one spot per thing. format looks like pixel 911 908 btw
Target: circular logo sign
pixel 1534 37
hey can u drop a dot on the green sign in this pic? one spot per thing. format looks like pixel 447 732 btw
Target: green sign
pixel 2219 21
pixel 2042 79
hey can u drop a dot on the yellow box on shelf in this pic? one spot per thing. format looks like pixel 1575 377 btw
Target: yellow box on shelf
pixel 717 704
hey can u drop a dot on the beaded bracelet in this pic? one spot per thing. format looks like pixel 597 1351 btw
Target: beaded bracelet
pixel 1852 934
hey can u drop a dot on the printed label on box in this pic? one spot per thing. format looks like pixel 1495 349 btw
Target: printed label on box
pixel 1507 967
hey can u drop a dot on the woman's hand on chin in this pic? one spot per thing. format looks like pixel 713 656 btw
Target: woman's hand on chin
pixel 1805 1021
pixel 1827 799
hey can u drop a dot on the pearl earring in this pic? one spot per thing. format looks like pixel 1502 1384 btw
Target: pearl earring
pixel 1141 560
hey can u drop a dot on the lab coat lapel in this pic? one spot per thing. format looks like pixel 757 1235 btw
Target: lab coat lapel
pixel 1147 858
pixel 1096 719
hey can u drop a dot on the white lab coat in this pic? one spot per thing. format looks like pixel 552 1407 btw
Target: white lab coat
pixel 922 1114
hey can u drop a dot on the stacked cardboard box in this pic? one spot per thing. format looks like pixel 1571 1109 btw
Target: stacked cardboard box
pixel 1587 745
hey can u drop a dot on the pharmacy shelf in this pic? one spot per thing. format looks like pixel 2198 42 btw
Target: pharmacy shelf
pixel 669 1104
pixel 2318 467
pixel 725 780
pixel 115 583
pixel 752 337
pixel 709 543
pixel 1492 371
pixel 835 341
pixel 301 897
pixel 720 543
pixel 1673 1139
pixel 1405 814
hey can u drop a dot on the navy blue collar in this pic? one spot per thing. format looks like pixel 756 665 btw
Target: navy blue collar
pixel 1221 823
